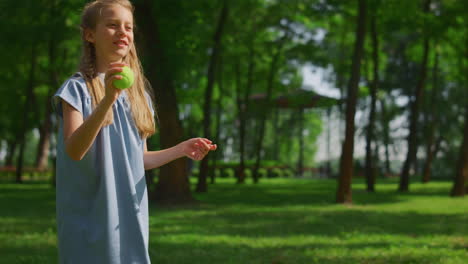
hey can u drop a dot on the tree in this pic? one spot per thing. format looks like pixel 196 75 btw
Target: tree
pixel 242 103
pixel 461 173
pixel 414 114
pixel 432 121
pixel 173 184
pixel 263 116
pixel 214 60
pixel 26 109
pixel 370 166
pixel 56 34
pixel 343 194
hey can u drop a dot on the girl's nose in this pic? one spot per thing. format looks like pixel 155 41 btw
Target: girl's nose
pixel 121 32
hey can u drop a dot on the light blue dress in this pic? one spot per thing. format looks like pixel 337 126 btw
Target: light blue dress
pixel 102 203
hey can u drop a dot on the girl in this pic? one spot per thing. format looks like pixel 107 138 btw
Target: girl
pixel 102 205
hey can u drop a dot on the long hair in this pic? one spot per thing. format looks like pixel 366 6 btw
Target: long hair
pixel 140 109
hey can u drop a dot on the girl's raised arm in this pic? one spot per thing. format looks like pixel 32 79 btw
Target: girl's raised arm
pixel 79 134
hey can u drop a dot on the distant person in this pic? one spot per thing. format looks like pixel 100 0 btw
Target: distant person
pixel 102 204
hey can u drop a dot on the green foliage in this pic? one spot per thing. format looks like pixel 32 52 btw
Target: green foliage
pixel 28 26
pixel 304 32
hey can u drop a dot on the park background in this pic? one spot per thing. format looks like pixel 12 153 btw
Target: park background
pixel 341 128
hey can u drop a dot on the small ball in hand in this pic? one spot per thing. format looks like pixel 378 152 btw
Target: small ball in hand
pixel 127 78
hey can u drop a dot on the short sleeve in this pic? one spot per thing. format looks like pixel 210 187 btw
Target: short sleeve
pixel 74 92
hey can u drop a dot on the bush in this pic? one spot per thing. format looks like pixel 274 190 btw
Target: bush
pixel 262 172
pixel 274 173
pixel 227 173
pixel 288 173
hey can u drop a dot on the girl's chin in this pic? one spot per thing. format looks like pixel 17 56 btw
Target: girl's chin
pixel 118 56
pixel 119 52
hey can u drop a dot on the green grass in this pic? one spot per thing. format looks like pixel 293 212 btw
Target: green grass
pixel 276 221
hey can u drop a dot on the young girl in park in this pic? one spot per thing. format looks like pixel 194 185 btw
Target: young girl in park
pixel 102 204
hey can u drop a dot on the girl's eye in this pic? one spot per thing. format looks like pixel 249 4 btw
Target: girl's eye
pixel 129 28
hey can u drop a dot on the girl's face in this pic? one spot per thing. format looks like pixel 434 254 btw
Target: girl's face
pixel 113 35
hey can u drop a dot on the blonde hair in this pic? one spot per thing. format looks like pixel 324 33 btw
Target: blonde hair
pixel 140 109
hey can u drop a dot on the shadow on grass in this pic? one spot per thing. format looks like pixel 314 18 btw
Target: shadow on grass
pixel 28 254
pixel 283 210
pixel 26 208
pixel 195 253
pixel 310 192
pixel 330 223
pixel 28 227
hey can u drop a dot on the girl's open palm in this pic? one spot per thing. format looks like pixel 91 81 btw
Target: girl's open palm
pixel 197 148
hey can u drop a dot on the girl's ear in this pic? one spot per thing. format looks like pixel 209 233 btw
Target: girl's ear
pixel 89 35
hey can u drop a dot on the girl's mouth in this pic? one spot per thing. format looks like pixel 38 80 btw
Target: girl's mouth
pixel 121 43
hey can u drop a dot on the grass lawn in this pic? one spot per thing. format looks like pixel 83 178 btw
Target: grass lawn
pixel 276 221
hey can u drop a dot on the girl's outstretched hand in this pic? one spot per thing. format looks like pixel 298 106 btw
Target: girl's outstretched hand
pixel 197 148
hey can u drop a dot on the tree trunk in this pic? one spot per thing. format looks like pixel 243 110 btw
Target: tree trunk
pixel 343 194
pixel 201 184
pixel 370 166
pixel 11 152
pixel 300 162
pixel 241 105
pixel 261 133
pixel 215 156
pixel 42 155
pixel 54 128
pixel 27 104
pixel 173 184
pixel 46 127
pixel 328 165
pixel 431 122
pixel 386 135
pixel 242 102
pixel 413 133
pixel 277 135
pixel 341 83
pixel 427 173
pixel 429 157
pixel 461 176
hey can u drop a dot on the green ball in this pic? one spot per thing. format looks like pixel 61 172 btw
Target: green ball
pixel 127 78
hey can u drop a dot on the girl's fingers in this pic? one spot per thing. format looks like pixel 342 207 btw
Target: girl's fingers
pixel 111 75
pixel 115 77
pixel 205 144
pixel 207 140
pixel 117 64
pixel 110 80
pixel 199 152
pixel 114 68
pixel 210 144
pixel 113 71
pixel 198 147
pixel 201 147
